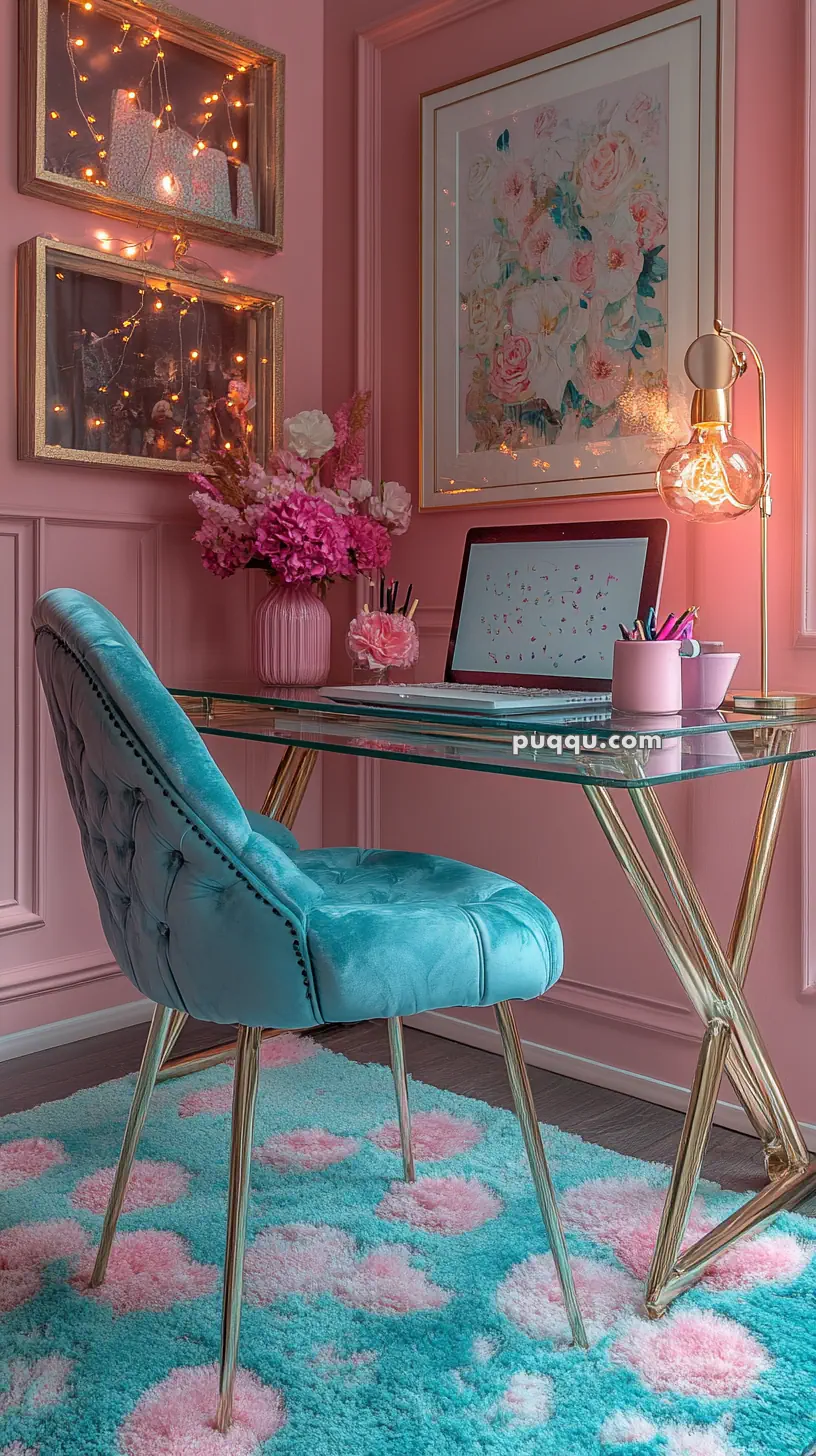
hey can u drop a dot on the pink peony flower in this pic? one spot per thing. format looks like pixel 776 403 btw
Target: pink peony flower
pixel 369 544
pixel 607 172
pixel 545 122
pixel 303 539
pixel 648 216
pixel 582 266
pixel 381 639
pixel 644 113
pixel 226 537
pixel 509 379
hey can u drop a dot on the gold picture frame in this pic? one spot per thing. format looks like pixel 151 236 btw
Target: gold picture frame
pixel 40 401
pixel 76 177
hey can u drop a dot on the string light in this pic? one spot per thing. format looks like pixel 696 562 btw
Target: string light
pixel 55 116
pixel 73 133
pixel 158 305
pixel 79 42
pixel 194 353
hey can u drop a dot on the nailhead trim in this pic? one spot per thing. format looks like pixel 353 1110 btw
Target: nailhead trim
pixel 139 795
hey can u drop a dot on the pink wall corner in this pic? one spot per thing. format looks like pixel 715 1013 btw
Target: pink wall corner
pixel 126 538
pixel 618 1002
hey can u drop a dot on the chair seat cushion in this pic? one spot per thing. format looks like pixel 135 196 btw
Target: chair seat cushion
pixel 399 933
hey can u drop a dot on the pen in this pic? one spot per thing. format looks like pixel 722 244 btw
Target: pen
pixel 681 622
pixel 666 628
pixel 640 630
pixel 405 605
pixel 626 635
pixel 649 624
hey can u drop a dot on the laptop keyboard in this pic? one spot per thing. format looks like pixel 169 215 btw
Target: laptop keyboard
pixel 506 692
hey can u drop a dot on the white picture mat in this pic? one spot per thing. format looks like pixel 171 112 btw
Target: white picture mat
pixel 687 39
pixel 548 607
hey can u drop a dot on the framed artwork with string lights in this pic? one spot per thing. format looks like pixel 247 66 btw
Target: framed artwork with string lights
pixel 123 364
pixel 150 115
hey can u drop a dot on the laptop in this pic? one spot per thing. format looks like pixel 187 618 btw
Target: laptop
pixel 536 617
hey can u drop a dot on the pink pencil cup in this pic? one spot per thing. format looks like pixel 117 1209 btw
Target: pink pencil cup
pixel 646 677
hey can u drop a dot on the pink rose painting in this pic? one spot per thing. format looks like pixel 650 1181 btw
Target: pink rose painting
pixel 563 267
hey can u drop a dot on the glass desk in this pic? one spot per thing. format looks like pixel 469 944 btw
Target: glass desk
pixel 600 753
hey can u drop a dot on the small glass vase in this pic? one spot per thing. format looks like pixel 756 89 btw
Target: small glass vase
pixel 291 637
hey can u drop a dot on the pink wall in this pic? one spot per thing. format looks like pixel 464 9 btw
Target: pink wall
pixel 126 538
pixel 618 1002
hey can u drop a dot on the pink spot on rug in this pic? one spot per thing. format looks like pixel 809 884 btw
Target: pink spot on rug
pixel 530 1297
pixel 693 1352
pixel 441 1205
pixel 297 1258
pixel 484 1347
pixel 306 1150
pixel 28 1158
pixel 177 1416
pixel 697 1441
pixel 528 1399
pixel 150 1184
pixel 150 1269
pixel 287 1049
pixel 211 1099
pixel 18 1449
pixel 626 1428
pixel 624 1214
pixel 434 1136
pixel 26 1249
pixel 766 1259
pixel 35 1384
pixel 385 1282
pixel 309 1260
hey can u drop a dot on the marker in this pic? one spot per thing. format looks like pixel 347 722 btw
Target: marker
pixel 681 622
pixel 640 630
pixel 666 628
pixel 650 624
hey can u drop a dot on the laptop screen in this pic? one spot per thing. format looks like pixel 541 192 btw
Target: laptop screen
pixel 533 609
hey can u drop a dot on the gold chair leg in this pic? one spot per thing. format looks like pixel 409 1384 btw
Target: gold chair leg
pixel 526 1113
pixel 397 1047
pixel 145 1082
pixel 244 1098
pixel 177 1023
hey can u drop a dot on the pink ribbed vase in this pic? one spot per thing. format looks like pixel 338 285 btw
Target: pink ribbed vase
pixel 291 643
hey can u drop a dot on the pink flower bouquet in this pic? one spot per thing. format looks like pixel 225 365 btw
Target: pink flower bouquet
pixel 382 639
pixel 310 516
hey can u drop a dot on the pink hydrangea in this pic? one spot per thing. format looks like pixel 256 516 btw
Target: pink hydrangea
pixel 383 639
pixel 226 536
pixel 369 544
pixel 303 539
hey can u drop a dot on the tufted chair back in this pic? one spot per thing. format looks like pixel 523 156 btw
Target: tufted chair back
pixel 201 913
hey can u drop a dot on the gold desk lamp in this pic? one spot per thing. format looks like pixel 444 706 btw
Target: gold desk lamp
pixel 715 477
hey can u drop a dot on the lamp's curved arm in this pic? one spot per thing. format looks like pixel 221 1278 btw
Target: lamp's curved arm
pixel 729 335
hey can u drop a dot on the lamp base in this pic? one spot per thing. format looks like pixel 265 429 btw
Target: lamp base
pixel 772 702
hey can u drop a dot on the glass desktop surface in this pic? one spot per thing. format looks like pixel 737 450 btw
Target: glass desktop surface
pixel 693 745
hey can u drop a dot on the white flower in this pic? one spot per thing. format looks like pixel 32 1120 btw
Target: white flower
pixel 618 263
pixel 360 489
pixel 340 502
pixel 547 314
pixel 392 507
pixel 483 263
pixel 479 177
pixel 309 434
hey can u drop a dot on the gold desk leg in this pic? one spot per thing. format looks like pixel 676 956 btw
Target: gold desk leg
pixel 689 1159
pixel 703 936
pixel 713 981
pixel 282 801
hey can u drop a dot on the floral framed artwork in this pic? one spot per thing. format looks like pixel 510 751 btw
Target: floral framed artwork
pixel 147 114
pixel 575 239
pixel 123 364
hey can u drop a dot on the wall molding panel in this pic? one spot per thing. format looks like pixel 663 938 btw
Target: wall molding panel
pixel 19 778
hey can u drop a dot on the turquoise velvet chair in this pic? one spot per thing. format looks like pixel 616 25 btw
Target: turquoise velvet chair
pixel 213 911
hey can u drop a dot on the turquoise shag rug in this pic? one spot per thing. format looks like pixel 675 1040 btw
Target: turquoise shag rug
pixel 378 1318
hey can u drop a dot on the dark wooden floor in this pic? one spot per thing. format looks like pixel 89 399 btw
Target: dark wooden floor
pixel 624 1124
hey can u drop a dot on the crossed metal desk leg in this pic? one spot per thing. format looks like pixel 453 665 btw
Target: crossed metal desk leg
pixel 713 980
pixel 283 800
